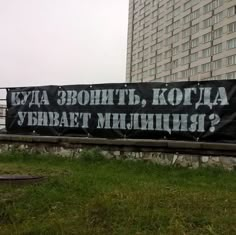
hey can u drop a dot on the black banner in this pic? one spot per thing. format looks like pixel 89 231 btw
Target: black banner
pixel 199 111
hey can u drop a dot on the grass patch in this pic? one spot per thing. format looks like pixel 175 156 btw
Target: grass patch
pixel 92 195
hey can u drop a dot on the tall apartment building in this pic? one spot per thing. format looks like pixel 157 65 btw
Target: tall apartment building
pixel 174 40
pixel 2 115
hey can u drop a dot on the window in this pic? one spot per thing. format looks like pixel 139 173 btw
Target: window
pixel 213 20
pixel 195 28
pixel 169 28
pixel 177 11
pixel 231 75
pixel 140 54
pixel 154 2
pixel 218 77
pixel 141 11
pixel 170 3
pixel 194 57
pixel 135 57
pixel 187 18
pixel 175 50
pixel 167 78
pixel 217 18
pixel 167 66
pixel 140 65
pixel 231 60
pixel 232 27
pixel 145 52
pixel 206 52
pixel 207 37
pixel 134 67
pixel 170 15
pixel 176 24
pixel 176 38
pixel 174 77
pixel 195 14
pixel 175 64
pixel 185 73
pixel 212 5
pixel 154 36
pixel 135 15
pixel 141 22
pixel 140 33
pixel 206 67
pixel 168 54
pixel 217 64
pixel 194 71
pixel 145 74
pixel 153 60
pixel 159 57
pixel 187 5
pixel 136 26
pixel 2 111
pixel 207 23
pixel 153 48
pixel 194 42
pixel 192 16
pixel 146 41
pixel 218 33
pixel 231 11
pixel 135 46
pixel 140 76
pixel 159 45
pixel 152 71
pixel 207 8
pixel 155 13
pixel 154 25
pixel 217 49
pixel 168 41
pixel 159 69
pixel 186 33
pixel 145 63
pixel 190 3
pixel 231 43
pixel 218 3
pixel 160 32
pixel 186 46
pixel 135 35
pixel 185 60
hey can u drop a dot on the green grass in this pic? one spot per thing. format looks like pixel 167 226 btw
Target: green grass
pixel 93 196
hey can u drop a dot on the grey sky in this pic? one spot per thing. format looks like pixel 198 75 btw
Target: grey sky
pixel 62 41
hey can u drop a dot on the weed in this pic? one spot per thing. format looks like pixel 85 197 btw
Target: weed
pixel 94 196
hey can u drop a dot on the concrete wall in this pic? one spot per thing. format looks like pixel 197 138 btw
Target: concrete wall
pixel 177 153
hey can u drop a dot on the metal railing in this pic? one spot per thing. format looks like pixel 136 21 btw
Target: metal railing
pixel 3 108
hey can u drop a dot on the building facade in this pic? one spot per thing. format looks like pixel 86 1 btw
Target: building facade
pixel 181 40
pixel 2 116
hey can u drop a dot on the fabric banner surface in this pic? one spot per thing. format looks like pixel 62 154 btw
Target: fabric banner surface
pixel 198 111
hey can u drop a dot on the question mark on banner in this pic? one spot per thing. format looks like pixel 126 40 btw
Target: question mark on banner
pixel 215 119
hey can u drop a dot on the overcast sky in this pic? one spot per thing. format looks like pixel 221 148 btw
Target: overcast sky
pixel 46 42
